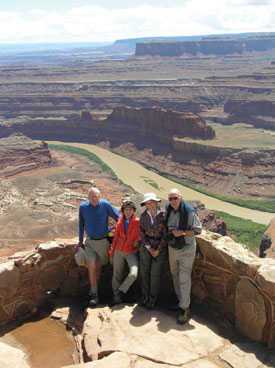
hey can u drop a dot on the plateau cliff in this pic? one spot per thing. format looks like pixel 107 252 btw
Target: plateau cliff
pixel 19 154
pixel 259 113
pixel 179 144
pixel 207 46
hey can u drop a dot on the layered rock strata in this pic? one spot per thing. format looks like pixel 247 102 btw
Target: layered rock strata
pixel 207 46
pixel 168 141
pixel 20 154
pixel 259 113
pixel 226 276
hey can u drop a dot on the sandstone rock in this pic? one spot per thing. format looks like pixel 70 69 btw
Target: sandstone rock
pixel 9 276
pixel 267 247
pixel 250 310
pixel 12 357
pixel 123 360
pixel 127 330
pixel 225 253
pixel 247 355
pixel 19 153
pixel 266 279
pixel 161 140
pixel 207 46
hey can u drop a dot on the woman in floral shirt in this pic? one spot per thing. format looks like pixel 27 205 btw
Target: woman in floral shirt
pixel 152 249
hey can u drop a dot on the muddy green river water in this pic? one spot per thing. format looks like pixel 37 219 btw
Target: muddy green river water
pixel 139 178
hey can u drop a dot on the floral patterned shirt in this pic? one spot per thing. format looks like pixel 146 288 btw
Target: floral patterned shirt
pixel 153 234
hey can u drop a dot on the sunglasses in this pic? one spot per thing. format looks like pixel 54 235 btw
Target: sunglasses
pixel 173 198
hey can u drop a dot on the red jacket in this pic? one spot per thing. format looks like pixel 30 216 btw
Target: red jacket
pixel 125 242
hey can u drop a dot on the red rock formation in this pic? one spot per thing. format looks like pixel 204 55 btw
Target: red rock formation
pixel 155 123
pixel 267 247
pixel 160 124
pixel 19 153
pixel 259 113
pixel 207 46
pixel 158 140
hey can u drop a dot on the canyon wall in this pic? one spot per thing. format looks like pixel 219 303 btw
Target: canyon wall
pixel 207 46
pixel 154 122
pixel 20 154
pixel 226 277
pixel 168 141
pixel 261 114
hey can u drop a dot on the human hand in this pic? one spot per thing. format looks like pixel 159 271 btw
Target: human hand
pixel 178 233
pixel 136 243
pixel 112 260
pixel 155 253
pixel 78 245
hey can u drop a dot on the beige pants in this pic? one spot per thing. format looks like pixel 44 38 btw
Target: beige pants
pixel 98 249
pixel 119 263
pixel 181 264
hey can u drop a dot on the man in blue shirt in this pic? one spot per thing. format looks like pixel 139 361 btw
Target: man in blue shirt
pixel 93 218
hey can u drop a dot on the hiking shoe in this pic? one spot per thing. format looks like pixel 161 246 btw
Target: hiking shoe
pixel 118 297
pixel 150 303
pixel 143 301
pixel 183 316
pixel 174 307
pixel 93 300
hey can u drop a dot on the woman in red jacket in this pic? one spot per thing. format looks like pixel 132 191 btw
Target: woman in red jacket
pixel 124 248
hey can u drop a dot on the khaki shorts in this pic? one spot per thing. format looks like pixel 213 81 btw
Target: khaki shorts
pixel 98 249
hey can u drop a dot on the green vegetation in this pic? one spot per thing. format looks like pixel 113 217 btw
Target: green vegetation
pixel 82 152
pixel 120 154
pixel 151 182
pixel 265 206
pixel 246 231
pixel 89 155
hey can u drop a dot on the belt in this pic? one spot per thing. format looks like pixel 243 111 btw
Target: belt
pixel 104 237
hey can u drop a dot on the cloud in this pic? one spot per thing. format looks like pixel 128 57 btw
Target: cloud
pixel 96 23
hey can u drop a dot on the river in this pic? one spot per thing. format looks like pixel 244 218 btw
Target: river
pixel 139 178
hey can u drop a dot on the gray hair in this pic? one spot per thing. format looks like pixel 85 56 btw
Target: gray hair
pixel 93 189
pixel 174 190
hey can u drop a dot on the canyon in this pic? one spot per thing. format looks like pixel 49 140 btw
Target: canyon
pixel 206 118
pixel 179 144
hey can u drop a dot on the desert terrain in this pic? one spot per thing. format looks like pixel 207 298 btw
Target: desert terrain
pixel 204 119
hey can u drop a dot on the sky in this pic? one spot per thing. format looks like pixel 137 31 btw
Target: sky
pixel 37 21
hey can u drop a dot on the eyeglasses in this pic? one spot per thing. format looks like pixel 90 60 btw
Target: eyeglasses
pixel 173 198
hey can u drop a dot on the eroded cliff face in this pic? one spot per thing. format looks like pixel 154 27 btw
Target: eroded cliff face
pixel 154 123
pixel 159 124
pixel 207 46
pixel 259 113
pixel 20 154
pixel 168 141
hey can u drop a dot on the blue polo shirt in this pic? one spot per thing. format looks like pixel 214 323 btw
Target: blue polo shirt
pixel 94 219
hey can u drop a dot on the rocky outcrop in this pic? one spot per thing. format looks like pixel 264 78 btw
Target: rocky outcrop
pixel 12 357
pixel 267 247
pixel 149 123
pixel 259 113
pixel 161 124
pixel 226 276
pixel 207 46
pixel 168 141
pixel 20 154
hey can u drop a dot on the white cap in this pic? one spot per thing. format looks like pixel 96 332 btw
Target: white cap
pixel 149 197
pixel 81 257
